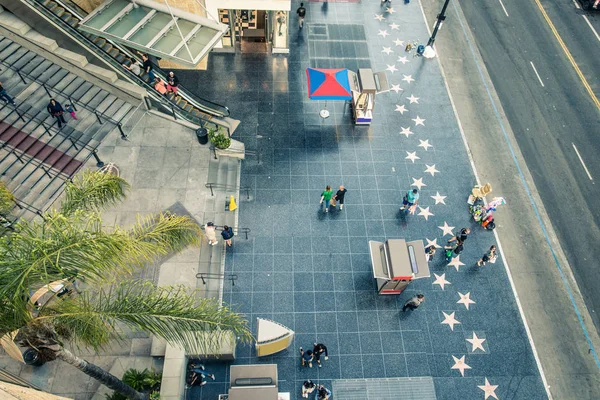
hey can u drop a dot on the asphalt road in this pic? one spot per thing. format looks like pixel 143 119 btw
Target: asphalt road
pixel 550 112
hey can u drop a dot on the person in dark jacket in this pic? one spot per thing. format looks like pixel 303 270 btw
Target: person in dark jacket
pixel 339 196
pixel 227 234
pixel 318 350
pixel 147 68
pixel 172 82
pixel 56 110
pixel 4 96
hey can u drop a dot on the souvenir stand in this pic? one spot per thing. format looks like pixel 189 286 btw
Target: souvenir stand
pixel 365 85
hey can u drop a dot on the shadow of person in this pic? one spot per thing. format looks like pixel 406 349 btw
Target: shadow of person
pixel 324 8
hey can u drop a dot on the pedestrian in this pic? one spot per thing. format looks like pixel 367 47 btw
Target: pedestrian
pixel 56 110
pixel 172 82
pixel 134 66
pixel 410 201
pixel 160 86
pixel 71 111
pixel 323 393
pixel 308 387
pixel 318 350
pixel 429 252
pixel 147 67
pixel 306 357
pixel 4 96
pixel 227 234
pixel 326 197
pixel 339 196
pixel 211 235
pixel 200 369
pixel 414 302
pixel 455 248
pixel 301 11
pixel 490 256
pixel 462 236
pixel 595 6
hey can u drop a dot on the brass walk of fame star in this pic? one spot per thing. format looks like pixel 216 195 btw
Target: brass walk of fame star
pixel 441 280
pixel 456 263
pixel 418 183
pixel 447 229
pixel 379 17
pixel 439 198
pixel 465 299
pixel 460 364
pixel 406 131
pixel 431 169
pixel 390 10
pixel 412 156
pixel 489 389
pixel 450 320
pixel 424 212
pixel 476 343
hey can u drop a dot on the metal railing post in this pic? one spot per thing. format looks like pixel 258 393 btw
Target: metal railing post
pixel 98 117
pixel 203 281
pixel 73 142
pixel 211 189
pixel 173 112
pixel 21 76
pixel 47 130
pixel 246 232
pixel 232 280
pixel 99 162
pixel 19 114
pixel 46 89
pixel 123 135
pixel 248 193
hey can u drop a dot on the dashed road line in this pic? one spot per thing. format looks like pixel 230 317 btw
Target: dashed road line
pixel 591 27
pixel 582 163
pixel 503 8
pixel 536 73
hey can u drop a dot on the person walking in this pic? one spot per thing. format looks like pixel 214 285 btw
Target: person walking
pixel 455 248
pixel 429 252
pixel 301 11
pixel 70 110
pixel 147 68
pixel 490 256
pixel 414 302
pixel 211 235
pixel 318 350
pixel 172 82
pixel 56 110
pixel 200 369
pixel 339 196
pixel 410 201
pixel 308 387
pixel 306 357
pixel 227 234
pixel 4 96
pixel 326 197
pixel 323 393
pixel 462 236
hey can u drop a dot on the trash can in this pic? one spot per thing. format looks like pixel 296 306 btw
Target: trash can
pixel 32 357
pixel 202 135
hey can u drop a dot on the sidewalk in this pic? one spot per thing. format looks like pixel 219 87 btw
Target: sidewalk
pixel 311 271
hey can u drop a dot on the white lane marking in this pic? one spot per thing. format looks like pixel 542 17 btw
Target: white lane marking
pixel 504 8
pixel 576 5
pixel 582 163
pixel 536 73
pixel 591 27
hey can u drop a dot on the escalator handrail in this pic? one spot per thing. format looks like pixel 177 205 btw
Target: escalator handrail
pixel 101 53
pixel 211 107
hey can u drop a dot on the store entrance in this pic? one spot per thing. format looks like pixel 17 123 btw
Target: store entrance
pixel 255 31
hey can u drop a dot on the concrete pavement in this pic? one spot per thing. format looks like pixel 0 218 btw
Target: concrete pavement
pixel 560 341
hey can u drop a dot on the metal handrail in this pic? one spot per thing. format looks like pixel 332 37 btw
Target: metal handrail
pixel 237 229
pixel 224 186
pixel 209 275
pixel 208 106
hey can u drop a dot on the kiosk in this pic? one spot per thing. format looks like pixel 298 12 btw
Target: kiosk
pixel 365 85
pixel 396 263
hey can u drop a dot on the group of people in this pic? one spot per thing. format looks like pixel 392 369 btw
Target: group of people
pixel 210 231
pixel 306 359
pixel 309 386
pixel 170 86
pixel 57 111
pixel 329 199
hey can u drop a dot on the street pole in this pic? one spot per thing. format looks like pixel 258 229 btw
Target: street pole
pixel 440 19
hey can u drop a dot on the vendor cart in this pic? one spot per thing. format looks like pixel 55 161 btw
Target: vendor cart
pixel 396 263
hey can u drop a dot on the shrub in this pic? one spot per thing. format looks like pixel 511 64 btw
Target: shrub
pixel 218 138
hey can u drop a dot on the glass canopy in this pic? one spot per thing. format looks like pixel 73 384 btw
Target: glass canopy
pixel 156 29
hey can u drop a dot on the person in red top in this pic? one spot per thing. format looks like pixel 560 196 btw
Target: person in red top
pixel 160 85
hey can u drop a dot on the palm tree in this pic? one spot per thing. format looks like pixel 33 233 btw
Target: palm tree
pixel 72 244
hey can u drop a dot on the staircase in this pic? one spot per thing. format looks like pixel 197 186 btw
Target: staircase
pixel 36 157
pixel 224 173
pixel 185 105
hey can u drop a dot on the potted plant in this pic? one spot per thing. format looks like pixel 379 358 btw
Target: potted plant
pixel 218 138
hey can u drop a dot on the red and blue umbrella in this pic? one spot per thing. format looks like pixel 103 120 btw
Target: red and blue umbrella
pixel 328 84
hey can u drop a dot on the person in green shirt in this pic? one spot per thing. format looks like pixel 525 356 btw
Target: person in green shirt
pixel 326 197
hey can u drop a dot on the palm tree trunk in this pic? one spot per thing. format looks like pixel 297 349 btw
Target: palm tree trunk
pixel 99 374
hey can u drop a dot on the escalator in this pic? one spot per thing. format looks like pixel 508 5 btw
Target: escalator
pixel 182 106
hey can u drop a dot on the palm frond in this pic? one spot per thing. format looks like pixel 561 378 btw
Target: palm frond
pixel 93 190
pixel 76 246
pixel 6 199
pixel 175 313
